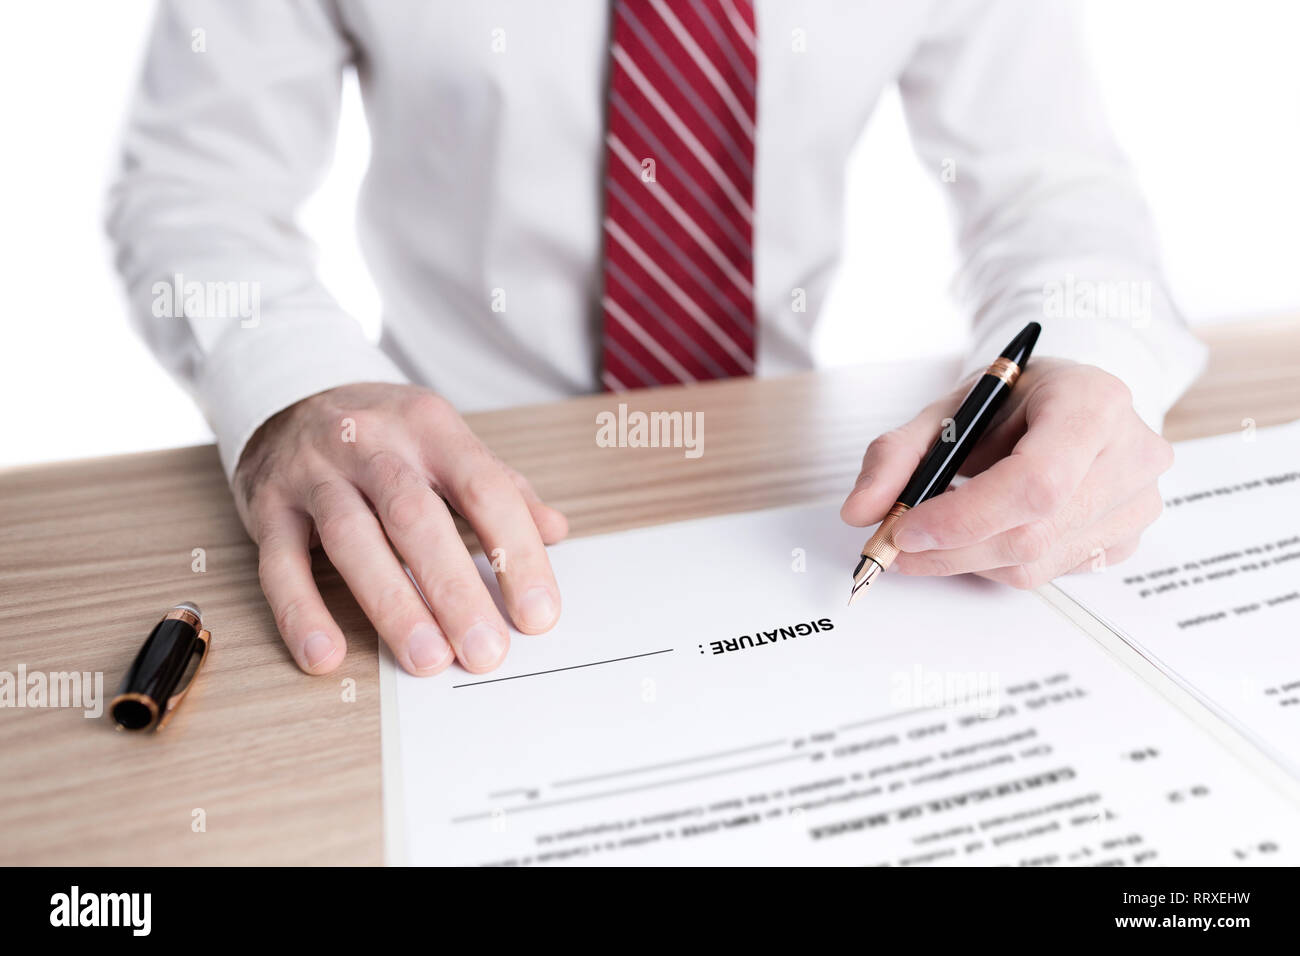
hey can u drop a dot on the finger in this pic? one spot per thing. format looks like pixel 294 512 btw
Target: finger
pixel 1113 480
pixel 1043 471
pixel 551 523
pixel 1112 555
pixel 424 533
pixel 1088 546
pixel 478 487
pixel 356 545
pixel 889 462
pixel 284 570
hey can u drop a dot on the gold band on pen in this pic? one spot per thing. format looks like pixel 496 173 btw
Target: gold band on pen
pixel 183 614
pixel 141 699
pixel 1005 370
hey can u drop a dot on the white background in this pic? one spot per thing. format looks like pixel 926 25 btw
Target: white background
pixel 1205 98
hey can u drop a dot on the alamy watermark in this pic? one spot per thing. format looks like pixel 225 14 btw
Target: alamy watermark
pixel 237 299
pixel 624 429
pixel 81 689
pixel 921 688
pixel 1076 298
pixel 74 908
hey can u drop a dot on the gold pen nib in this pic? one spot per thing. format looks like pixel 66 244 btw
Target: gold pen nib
pixel 867 571
pixel 878 553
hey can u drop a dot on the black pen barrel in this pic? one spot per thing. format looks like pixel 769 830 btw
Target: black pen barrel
pixel 958 436
pixel 956 439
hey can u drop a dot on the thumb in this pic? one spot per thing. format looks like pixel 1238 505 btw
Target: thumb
pixel 890 461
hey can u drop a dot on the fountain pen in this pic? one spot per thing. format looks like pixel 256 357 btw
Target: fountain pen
pixel 943 460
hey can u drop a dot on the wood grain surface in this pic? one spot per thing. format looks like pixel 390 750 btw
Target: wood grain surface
pixel 284 767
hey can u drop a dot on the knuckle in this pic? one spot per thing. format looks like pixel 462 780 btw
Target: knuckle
pixel 397 488
pixel 1083 554
pixel 265 530
pixel 392 601
pixel 324 498
pixel 484 487
pixel 1022 578
pixel 1114 390
pixel 1045 489
pixel 1160 454
pixel 454 447
pixel 450 591
pixel 328 504
pixel 404 510
pixel 341 526
pixel 387 471
pixel 890 443
pixel 887 439
pixel 288 615
pixel 433 409
pixel 273 565
pixel 1082 507
pixel 1029 543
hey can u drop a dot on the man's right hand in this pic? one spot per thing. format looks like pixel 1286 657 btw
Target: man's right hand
pixel 360 466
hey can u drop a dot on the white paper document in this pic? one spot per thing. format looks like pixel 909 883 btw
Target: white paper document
pixel 1213 594
pixel 708 698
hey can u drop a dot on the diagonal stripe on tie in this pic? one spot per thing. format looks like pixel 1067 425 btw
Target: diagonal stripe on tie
pixel 679 298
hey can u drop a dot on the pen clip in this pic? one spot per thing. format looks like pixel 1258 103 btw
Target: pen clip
pixel 203 641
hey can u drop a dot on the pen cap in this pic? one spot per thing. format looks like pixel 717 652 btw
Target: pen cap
pixel 149 690
pixel 1023 344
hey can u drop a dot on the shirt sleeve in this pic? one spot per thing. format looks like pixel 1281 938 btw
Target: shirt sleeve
pixel 231 129
pixel 1050 222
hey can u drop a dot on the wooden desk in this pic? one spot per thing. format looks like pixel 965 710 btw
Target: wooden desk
pixel 283 768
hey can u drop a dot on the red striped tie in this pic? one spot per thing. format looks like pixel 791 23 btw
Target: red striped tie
pixel 679 220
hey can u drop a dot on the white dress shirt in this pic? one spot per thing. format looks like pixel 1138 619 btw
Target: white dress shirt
pixel 480 216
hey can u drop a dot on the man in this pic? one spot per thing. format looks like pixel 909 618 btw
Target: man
pixel 569 195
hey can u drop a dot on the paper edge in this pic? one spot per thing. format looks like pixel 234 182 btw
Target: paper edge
pixel 1211 723
pixel 390 759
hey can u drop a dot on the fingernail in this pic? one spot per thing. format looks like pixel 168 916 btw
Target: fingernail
pixel 538 608
pixel 861 483
pixel 483 645
pixel 317 648
pixel 909 539
pixel 427 647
